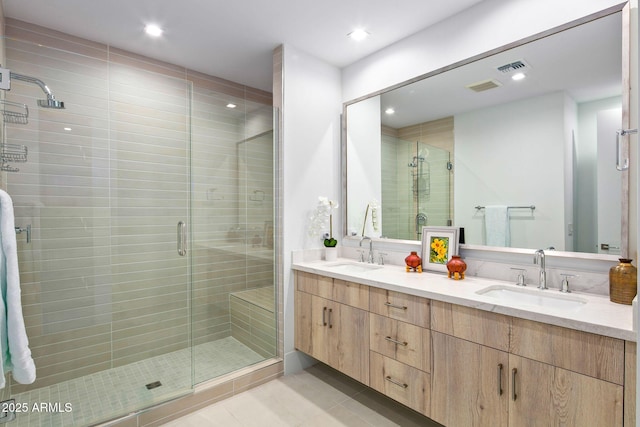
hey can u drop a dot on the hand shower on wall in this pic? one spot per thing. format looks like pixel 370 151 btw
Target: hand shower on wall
pixel 421 176
pixel 17 113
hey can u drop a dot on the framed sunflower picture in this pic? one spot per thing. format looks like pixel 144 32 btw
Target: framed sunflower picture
pixel 439 244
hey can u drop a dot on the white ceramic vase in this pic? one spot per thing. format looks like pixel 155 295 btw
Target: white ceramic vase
pixel 330 254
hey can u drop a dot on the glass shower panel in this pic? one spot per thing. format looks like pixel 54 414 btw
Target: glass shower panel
pixel 106 297
pixel 234 287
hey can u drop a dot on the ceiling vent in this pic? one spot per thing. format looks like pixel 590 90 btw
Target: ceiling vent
pixel 484 85
pixel 514 67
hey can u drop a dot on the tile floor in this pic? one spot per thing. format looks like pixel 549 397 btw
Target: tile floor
pixel 101 396
pixel 318 396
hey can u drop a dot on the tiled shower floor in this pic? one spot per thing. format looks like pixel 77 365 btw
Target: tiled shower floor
pixel 118 391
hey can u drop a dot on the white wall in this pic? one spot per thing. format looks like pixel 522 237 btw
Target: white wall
pixel 528 137
pixel 311 163
pixel 364 151
pixel 586 177
pixel 570 132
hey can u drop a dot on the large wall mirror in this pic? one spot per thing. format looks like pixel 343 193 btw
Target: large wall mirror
pixel 531 129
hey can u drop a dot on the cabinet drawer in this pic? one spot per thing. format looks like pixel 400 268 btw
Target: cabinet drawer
pixel 582 352
pixel 313 284
pixel 400 306
pixel 403 383
pixel 341 291
pixel 404 342
pixel 471 324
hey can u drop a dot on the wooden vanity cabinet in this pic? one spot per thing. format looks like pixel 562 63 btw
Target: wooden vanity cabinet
pixel 564 376
pixel 331 328
pixel 545 395
pixel 470 366
pixel 496 370
pixel 462 366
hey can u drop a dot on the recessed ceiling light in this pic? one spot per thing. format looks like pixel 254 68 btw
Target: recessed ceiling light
pixel 67 129
pixel 231 105
pixel 389 111
pixel 153 30
pixel 518 76
pixel 359 34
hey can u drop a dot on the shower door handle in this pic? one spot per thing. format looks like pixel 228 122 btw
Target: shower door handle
pixel 182 238
pixel 620 165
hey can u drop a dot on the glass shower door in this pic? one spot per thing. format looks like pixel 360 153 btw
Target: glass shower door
pixel 106 296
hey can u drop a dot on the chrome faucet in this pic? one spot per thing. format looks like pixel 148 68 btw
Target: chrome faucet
pixel 538 259
pixel 370 256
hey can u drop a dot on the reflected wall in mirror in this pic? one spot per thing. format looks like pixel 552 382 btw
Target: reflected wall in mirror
pixel 437 151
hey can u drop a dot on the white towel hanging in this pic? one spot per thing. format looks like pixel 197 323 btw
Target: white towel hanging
pixel 14 344
pixel 496 219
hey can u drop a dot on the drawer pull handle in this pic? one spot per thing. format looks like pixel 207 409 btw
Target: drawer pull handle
pixel 398 383
pixel 324 316
pixel 400 307
pixel 499 379
pixel 330 324
pixel 514 396
pixel 403 343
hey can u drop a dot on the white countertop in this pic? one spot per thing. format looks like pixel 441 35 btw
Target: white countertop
pixel 598 315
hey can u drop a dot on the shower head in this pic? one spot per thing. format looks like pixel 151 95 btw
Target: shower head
pixel 51 101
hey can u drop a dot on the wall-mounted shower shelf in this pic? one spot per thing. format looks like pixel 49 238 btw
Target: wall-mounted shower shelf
pixel 14 112
pixel 12 153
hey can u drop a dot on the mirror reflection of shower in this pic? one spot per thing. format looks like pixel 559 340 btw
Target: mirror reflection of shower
pixel 421 185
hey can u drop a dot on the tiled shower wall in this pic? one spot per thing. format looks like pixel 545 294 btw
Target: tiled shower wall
pixel 102 283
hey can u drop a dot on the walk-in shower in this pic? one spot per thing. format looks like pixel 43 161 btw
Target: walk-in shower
pixel 117 320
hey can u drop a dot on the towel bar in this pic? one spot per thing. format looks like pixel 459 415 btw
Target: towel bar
pixel 532 207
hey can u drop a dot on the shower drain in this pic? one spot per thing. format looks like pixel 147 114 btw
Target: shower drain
pixel 8 410
pixel 153 385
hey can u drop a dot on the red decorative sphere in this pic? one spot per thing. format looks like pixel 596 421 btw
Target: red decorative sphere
pixel 414 262
pixel 456 267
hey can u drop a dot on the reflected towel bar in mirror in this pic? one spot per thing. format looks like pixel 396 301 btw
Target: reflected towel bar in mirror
pixel 532 207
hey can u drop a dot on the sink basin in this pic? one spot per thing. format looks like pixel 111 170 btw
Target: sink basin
pixel 352 267
pixel 533 297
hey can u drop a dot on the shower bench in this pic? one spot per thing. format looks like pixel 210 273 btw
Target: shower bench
pixel 253 320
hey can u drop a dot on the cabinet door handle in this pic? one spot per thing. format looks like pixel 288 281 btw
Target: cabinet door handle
pixel 514 396
pixel 403 343
pixel 400 307
pixel 330 324
pixel 324 316
pixel 396 382
pixel 499 379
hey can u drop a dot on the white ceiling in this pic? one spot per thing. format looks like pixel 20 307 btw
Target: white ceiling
pixel 234 39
